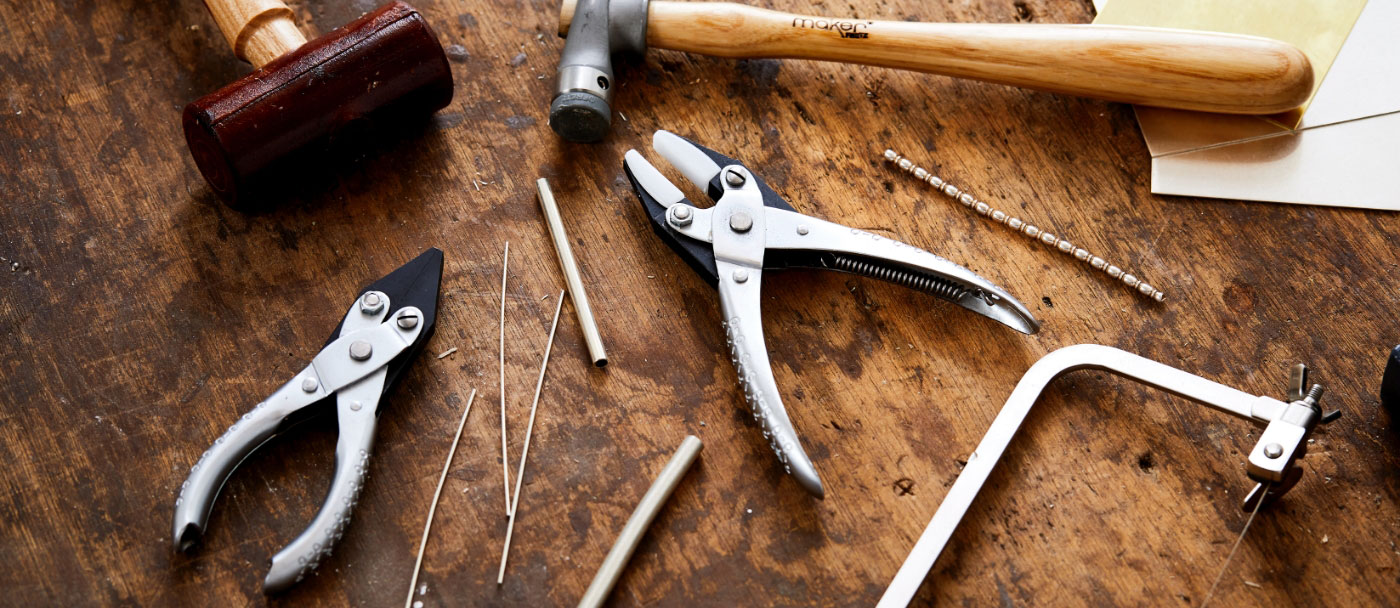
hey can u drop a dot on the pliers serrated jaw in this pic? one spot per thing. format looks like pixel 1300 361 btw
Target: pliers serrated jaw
pixel 383 331
pixel 751 228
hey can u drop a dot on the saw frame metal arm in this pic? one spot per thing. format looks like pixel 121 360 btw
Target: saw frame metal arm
pixel 1272 462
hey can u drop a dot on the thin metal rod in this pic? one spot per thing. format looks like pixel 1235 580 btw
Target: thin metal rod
pixel 1263 491
pixel 529 431
pixel 571 276
pixel 432 507
pixel 646 511
pixel 1029 230
pixel 505 458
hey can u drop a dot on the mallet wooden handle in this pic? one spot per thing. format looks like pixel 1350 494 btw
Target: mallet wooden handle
pixel 258 30
pixel 1159 67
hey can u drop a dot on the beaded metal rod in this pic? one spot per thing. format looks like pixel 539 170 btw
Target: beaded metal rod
pixel 1023 227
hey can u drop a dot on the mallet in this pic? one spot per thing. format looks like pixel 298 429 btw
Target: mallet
pixel 386 63
pixel 1158 67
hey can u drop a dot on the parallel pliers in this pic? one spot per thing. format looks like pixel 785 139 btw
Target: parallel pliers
pixel 751 228
pixel 381 334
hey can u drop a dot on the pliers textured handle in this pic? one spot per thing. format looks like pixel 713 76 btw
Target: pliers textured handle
pixel 379 336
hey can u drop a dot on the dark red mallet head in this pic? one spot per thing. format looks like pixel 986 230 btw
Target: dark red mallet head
pixel 386 64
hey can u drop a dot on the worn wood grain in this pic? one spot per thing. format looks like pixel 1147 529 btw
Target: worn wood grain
pixel 139 317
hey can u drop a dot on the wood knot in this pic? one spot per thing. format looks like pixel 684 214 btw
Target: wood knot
pixel 904 486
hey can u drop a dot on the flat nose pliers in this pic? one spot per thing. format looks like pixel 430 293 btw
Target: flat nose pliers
pixel 749 229
pixel 384 330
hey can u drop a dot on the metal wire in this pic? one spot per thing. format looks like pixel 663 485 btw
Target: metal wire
pixel 529 430
pixel 505 458
pixel 432 508
pixel 1263 491
pixel 1024 228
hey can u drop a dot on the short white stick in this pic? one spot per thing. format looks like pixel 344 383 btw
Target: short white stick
pixel 432 508
pixel 505 458
pixel 636 526
pixel 529 430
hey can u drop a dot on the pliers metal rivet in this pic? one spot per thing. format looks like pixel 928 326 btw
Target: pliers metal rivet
pixel 751 229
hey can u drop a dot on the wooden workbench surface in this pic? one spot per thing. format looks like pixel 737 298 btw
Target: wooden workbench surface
pixel 139 317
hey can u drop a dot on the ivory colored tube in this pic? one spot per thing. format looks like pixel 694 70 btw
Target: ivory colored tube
pixel 571 277
pixel 636 526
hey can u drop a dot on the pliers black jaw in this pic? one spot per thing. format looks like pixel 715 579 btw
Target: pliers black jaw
pixel 383 331
pixel 750 228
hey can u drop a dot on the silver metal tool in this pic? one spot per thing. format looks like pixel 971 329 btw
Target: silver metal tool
pixel 1272 463
pixel 645 512
pixel 750 229
pixel 383 331
pixel 571 275
pixel 1029 230
pixel 581 110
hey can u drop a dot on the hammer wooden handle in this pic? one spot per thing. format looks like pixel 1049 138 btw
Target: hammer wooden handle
pixel 1158 67
pixel 258 30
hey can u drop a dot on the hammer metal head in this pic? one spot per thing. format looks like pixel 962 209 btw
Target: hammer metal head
pixel 385 64
pixel 581 110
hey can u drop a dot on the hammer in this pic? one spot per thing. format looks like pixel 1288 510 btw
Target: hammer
pixel 387 63
pixel 1182 69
